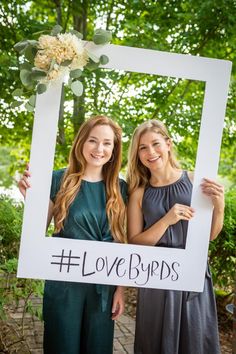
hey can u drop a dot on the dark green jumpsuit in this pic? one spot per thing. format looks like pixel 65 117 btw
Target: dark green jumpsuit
pixel 77 316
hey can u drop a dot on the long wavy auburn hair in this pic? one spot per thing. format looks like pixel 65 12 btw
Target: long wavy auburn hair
pixel 139 175
pixel 71 182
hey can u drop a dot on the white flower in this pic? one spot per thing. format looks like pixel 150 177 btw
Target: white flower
pixel 80 60
pixel 72 43
pixel 42 61
pixel 61 48
pixel 46 41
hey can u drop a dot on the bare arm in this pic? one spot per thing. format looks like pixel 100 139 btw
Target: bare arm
pixel 153 234
pixel 216 192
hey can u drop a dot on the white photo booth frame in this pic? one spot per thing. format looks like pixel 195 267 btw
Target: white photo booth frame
pixel 109 263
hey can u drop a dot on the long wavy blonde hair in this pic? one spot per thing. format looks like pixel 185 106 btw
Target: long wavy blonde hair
pixel 139 175
pixel 115 206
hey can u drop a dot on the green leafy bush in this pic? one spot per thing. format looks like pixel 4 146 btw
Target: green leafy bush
pixel 13 289
pixel 10 227
pixel 222 250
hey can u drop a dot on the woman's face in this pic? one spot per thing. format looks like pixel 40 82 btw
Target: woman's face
pixel 153 150
pixel 98 147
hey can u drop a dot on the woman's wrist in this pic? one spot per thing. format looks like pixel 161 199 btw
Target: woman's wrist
pixel 164 222
pixel 120 289
pixel 219 209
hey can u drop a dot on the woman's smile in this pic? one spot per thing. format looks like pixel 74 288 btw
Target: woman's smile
pixel 96 156
pixel 153 159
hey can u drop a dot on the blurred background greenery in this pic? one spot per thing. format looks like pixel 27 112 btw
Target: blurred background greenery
pixel 196 27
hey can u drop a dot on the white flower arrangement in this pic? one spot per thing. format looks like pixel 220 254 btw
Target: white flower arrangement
pixel 54 56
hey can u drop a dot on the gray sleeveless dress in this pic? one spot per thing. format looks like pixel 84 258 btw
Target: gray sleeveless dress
pixel 169 321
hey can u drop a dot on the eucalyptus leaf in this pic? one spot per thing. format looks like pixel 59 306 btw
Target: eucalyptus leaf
pixel 41 88
pixel 77 34
pixel 66 62
pixel 25 77
pixel 56 30
pixel 30 53
pixel 15 104
pixel 29 107
pixel 104 59
pixel 37 70
pixel 33 42
pixel 17 92
pixel 102 36
pixel 21 45
pixel 92 66
pixel 77 88
pixel 76 73
pixel 93 57
pixel 70 82
pixel 32 100
pixel 38 74
pixel 26 66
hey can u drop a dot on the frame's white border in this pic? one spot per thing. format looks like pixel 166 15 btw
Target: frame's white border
pixel 106 263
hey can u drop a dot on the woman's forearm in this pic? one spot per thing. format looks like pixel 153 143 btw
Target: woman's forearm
pixel 217 222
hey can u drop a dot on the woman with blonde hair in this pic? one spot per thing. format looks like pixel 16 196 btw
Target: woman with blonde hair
pixel 87 202
pixel 169 321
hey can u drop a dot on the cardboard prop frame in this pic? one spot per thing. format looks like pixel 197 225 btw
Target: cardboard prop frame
pixel 109 263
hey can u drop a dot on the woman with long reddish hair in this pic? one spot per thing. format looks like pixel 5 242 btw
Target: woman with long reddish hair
pixel 87 202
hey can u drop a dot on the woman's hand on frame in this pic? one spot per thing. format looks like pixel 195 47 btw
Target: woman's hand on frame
pixel 118 305
pixel 23 183
pixel 215 191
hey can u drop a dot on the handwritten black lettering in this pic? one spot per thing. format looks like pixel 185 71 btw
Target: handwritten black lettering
pixel 85 273
pixel 165 270
pixel 100 264
pixel 65 260
pixel 176 276
pixel 134 268
pixel 155 266
pixel 111 267
pixel 120 263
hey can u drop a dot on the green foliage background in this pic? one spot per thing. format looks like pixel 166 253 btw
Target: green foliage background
pixel 205 28
pixel 196 27
pixel 13 289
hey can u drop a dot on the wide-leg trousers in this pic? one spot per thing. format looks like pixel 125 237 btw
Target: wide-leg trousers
pixel 74 320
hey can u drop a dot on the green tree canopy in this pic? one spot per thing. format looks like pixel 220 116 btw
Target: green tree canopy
pixel 205 28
